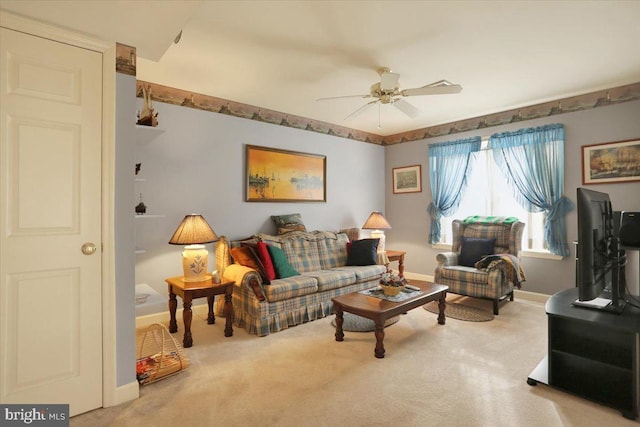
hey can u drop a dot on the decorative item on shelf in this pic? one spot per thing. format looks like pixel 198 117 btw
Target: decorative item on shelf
pixel 141 208
pixel 141 298
pixel 194 232
pixel 377 223
pixel 147 116
pixel 138 167
pixel 392 284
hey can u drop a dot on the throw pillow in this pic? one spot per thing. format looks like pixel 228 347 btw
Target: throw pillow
pixel 281 264
pixel 286 223
pixel 363 252
pixel 245 255
pixel 265 258
pixel 473 249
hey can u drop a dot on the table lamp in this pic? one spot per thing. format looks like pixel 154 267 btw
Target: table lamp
pixel 377 223
pixel 194 232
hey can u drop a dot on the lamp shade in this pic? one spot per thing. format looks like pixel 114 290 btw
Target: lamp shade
pixel 193 230
pixel 376 222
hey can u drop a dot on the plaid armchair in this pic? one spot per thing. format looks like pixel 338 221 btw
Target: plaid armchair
pixel 493 280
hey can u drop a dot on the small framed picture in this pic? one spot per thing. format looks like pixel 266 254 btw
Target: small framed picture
pixel 611 162
pixel 407 179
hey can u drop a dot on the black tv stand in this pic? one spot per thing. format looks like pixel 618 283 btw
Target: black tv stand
pixel 593 354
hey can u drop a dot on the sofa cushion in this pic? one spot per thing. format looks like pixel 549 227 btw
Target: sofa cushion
pixel 473 249
pixel 281 264
pixel 332 279
pixel 265 258
pixel 332 249
pixel 291 287
pixel 287 223
pixel 365 272
pixel 363 252
pixel 247 256
pixel 500 232
pixel 464 274
pixel 301 250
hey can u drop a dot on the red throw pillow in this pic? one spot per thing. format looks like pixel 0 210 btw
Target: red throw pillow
pixel 265 258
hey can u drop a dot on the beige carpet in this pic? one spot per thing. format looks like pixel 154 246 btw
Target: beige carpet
pixel 458 374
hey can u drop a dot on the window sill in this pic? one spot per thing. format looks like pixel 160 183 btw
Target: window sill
pixel 541 255
pixel 441 246
pixel 526 254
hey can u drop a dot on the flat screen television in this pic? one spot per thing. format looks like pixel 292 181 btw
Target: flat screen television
pixel 598 263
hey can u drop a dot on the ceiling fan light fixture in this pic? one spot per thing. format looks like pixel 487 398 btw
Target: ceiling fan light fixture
pixel 387 91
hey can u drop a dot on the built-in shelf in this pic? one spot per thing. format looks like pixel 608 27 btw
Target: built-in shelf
pixel 148 216
pixel 146 134
pixel 148 300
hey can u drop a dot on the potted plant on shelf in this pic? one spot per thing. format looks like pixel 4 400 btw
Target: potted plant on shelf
pixel 392 284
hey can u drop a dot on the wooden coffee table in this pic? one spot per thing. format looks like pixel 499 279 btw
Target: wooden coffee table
pixel 380 310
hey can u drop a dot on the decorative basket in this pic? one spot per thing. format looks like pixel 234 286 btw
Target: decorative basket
pixel 158 354
pixel 391 291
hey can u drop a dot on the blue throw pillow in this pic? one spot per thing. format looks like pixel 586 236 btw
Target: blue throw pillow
pixel 473 249
pixel 280 263
pixel 363 252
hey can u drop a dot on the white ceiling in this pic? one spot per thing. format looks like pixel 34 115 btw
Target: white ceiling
pixel 284 55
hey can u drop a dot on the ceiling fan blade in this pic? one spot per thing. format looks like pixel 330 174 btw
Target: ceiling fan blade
pixel 344 96
pixel 441 87
pixel 407 108
pixel 389 80
pixel 361 109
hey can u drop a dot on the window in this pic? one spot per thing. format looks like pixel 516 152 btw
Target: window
pixel 488 193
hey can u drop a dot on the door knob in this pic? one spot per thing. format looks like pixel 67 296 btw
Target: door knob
pixel 88 248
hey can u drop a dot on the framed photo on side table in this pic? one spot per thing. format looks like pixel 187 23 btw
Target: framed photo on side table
pixel 611 162
pixel 407 179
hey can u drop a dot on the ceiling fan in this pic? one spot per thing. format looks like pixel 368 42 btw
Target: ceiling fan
pixel 387 91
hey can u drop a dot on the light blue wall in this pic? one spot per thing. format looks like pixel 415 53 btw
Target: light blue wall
pixel 198 166
pixel 124 228
pixel 407 213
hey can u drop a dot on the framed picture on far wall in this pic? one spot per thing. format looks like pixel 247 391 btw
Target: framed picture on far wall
pixel 407 179
pixel 611 162
pixel 275 175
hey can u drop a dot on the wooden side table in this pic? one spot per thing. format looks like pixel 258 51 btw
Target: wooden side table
pixel 397 256
pixel 189 291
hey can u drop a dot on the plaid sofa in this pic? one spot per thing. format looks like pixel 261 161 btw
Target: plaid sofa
pixel 319 256
pixel 489 283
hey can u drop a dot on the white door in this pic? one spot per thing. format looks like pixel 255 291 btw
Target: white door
pixel 50 162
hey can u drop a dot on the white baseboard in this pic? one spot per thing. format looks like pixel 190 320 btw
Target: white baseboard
pixel 416 276
pixel 531 296
pixel 163 316
pixel 125 393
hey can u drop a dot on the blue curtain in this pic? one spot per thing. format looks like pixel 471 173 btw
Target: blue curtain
pixel 532 161
pixel 449 165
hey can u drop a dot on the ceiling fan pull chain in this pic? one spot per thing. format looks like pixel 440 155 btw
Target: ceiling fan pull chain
pixel 379 107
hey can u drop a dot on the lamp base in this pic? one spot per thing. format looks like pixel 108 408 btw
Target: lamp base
pixel 194 263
